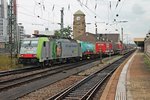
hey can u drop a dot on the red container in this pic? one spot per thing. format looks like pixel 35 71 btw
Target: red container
pixel 104 47
pixel 100 47
pixel 120 46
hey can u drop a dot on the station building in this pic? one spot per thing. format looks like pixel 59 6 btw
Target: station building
pixel 79 31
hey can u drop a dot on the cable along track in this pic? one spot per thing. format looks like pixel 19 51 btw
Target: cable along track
pixel 86 88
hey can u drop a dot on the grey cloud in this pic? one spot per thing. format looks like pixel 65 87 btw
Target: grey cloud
pixel 137 9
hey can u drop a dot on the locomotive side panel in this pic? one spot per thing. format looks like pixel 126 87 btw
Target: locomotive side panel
pixel 46 51
pixel 69 50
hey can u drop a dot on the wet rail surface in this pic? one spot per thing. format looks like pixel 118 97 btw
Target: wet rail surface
pixel 86 88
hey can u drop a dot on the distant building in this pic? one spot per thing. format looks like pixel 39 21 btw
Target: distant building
pixel 115 37
pixel 93 38
pixel 79 31
pixel 147 44
pixel 79 27
pixel 3 23
pixel 21 32
pixel 45 32
pixel 36 32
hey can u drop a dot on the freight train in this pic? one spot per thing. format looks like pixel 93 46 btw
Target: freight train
pixel 107 48
pixel 45 51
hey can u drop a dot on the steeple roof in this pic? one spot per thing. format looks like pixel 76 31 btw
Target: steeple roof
pixel 79 12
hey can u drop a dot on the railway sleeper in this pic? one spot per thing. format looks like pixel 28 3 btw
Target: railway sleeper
pixel 76 94
pixel 72 98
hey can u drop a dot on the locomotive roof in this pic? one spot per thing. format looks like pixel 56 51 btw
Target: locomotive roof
pixel 65 40
pixel 30 39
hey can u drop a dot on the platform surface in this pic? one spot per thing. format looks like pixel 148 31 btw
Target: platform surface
pixel 134 81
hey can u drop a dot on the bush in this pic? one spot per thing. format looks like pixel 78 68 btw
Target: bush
pixel 6 63
pixel 147 61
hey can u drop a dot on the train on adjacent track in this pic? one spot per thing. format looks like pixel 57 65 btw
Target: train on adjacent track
pixel 46 51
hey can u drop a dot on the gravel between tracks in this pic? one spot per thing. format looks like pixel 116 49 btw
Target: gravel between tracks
pixel 48 91
pixel 52 89
pixel 20 75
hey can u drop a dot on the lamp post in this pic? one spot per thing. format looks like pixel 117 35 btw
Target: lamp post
pixel 122 32
pixel 122 28
pixel 110 51
pixel 101 62
pixel 100 50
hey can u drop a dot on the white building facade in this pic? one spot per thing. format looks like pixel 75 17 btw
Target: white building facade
pixel 4 38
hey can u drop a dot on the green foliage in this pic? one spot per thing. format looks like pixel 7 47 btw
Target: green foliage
pixel 6 63
pixel 66 32
pixel 57 33
pixel 147 61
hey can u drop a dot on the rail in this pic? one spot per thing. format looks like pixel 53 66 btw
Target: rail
pixel 86 88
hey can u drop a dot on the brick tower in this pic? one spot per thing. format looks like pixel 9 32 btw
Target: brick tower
pixel 79 24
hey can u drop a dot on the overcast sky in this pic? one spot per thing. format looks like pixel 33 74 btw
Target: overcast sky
pixel 40 14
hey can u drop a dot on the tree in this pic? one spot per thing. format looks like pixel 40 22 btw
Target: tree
pixel 66 32
pixel 57 33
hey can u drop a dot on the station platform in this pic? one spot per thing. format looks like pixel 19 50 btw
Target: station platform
pixel 131 81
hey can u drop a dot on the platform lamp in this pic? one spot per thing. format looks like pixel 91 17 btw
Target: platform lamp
pixel 122 29
pixel 101 58
pixel 100 51
pixel 110 51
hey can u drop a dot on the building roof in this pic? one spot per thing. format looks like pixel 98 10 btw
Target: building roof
pixel 139 42
pixel 98 37
pixel 79 12
pixel 139 39
pixel 88 37
pixel 115 37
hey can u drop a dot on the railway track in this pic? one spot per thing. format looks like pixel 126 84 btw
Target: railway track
pixel 23 70
pixel 87 88
pixel 13 82
pixel 18 71
pixel 26 69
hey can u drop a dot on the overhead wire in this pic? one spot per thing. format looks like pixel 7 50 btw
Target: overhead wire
pixel 82 3
pixel 32 14
pixel 123 4
pixel 86 7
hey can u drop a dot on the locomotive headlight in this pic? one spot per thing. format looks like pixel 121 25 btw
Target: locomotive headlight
pixel 34 55
pixel 21 55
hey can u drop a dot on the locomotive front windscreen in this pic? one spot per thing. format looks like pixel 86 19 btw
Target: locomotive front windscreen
pixel 28 43
pixel 29 47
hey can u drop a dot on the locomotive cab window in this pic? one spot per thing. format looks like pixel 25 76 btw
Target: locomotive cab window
pixel 44 44
pixel 58 49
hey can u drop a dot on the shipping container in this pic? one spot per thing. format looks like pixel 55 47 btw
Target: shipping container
pixel 87 48
pixel 104 47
